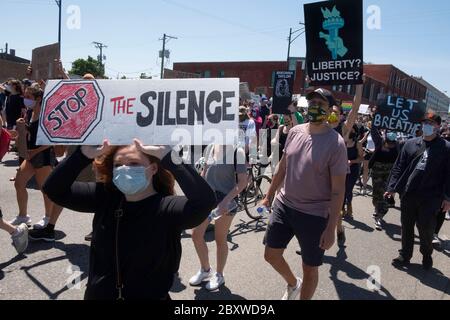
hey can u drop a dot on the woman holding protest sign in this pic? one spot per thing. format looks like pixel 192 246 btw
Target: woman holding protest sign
pixel 136 243
pixel 39 163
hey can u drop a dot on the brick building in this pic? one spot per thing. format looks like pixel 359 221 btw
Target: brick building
pixel 12 66
pixel 437 100
pixel 259 75
pixel 380 79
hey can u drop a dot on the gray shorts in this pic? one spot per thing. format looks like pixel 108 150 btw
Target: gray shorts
pixel 285 223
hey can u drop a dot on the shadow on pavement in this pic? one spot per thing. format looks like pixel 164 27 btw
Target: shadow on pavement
pixel 349 291
pixel 11 163
pixel 394 232
pixel 222 294
pixel 359 225
pixel 177 286
pixel 76 254
pixel 434 278
pixel 240 229
pixel 10 262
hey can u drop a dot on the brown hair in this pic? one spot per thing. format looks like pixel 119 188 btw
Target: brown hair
pixel 17 86
pixel 35 90
pixel 163 180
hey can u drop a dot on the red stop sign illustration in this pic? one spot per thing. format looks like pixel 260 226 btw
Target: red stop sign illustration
pixel 71 111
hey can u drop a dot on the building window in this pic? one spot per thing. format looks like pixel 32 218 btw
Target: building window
pixel 221 74
pixel 207 74
pixel 391 80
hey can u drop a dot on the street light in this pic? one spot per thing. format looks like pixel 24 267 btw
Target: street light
pixel 291 41
pixel 59 4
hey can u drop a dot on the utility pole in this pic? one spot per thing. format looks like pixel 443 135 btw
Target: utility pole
pixel 100 46
pixel 59 4
pixel 163 52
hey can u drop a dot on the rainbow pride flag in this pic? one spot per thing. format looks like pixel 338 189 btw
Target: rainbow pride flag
pixel 347 106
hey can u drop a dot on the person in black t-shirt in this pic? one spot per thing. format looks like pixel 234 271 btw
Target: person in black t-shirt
pixel 39 163
pixel 15 107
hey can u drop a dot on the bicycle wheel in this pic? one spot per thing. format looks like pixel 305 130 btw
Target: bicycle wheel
pixel 260 186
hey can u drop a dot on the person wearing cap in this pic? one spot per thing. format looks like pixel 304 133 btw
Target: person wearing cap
pixel 421 175
pixel 313 170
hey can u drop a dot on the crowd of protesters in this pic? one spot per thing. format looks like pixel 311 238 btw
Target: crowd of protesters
pixel 318 154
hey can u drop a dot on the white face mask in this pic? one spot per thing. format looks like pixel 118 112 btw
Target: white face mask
pixel 428 130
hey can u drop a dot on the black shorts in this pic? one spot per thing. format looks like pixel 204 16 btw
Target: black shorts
pixel 44 159
pixel 285 223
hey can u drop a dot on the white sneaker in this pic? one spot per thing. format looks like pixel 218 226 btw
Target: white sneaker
pixel 20 238
pixel 292 293
pixel 436 240
pixel 19 220
pixel 200 277
pixel 215 282
pixel 41 224
pixel 447 216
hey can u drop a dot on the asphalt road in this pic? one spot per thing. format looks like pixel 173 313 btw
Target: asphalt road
pixel 46 269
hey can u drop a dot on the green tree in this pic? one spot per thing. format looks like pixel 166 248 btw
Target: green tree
pixel 144 76
pixel 82 66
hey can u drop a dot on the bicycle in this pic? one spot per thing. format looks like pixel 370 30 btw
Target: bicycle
pixel 255 192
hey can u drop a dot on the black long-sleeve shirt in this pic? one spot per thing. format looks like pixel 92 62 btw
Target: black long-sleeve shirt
pixel 427 175
pixel 149 236
pixel 381 154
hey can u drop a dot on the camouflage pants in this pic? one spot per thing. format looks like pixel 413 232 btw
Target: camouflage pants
pixel 380 176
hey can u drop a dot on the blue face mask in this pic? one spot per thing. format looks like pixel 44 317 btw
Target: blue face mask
pixel 428 130
pixel 130 180
pixel 391 136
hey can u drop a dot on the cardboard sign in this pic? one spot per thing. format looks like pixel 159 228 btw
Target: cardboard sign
pixel 334 42
pixel 158 112
pixel 283 89
pixel 43 62
pixel 364 109
pixel 399 114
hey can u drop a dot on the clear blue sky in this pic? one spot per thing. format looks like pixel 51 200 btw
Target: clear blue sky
pixel 415 35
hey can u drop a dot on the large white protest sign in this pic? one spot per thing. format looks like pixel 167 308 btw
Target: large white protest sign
pixel 158 112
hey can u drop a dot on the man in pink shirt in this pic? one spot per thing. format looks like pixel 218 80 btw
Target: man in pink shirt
pixel 313 169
